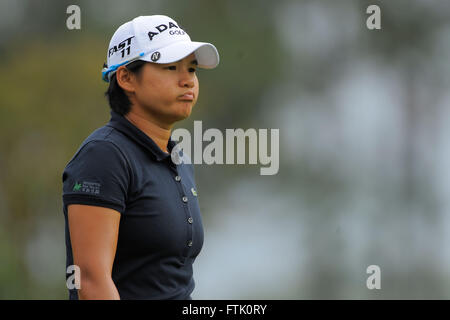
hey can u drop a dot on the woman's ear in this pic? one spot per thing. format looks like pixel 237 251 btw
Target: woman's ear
pixel 125 79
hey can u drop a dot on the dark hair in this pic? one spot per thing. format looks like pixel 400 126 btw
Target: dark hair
pixel 117 98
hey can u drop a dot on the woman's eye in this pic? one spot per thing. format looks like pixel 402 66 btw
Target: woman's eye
pixel 175 68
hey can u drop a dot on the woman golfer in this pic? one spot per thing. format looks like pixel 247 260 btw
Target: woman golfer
pixel 132 218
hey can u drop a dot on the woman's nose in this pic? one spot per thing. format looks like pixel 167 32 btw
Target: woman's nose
pixel 187 80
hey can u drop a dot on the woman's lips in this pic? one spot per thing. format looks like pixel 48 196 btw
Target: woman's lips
pixel 189 96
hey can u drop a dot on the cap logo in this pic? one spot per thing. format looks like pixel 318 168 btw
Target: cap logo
pixel 163 27
pixel 121 47
pixel 155 56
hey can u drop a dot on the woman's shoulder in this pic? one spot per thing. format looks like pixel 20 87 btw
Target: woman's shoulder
pixel 107 141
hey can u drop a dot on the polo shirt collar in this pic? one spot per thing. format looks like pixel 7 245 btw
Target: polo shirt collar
pixel 122 124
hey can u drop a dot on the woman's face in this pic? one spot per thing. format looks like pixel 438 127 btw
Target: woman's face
pixel 168 92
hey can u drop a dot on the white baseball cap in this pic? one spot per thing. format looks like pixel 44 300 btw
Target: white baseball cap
pixel 157 39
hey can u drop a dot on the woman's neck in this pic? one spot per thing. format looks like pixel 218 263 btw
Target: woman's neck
pixel 150 127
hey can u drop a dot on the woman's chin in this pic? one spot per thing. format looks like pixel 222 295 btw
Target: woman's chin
pixel 184 109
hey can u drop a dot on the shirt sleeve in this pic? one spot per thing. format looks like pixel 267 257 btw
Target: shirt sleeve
pixel 97 175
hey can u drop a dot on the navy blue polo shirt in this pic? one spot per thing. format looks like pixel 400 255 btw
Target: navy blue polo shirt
pixel 160 233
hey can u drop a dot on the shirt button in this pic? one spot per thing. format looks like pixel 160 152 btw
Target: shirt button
pixel 185 199
pixel 189 243
pixel 190 220
pixel 177 178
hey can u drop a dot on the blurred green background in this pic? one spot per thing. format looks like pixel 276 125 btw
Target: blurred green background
pixel 364 149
